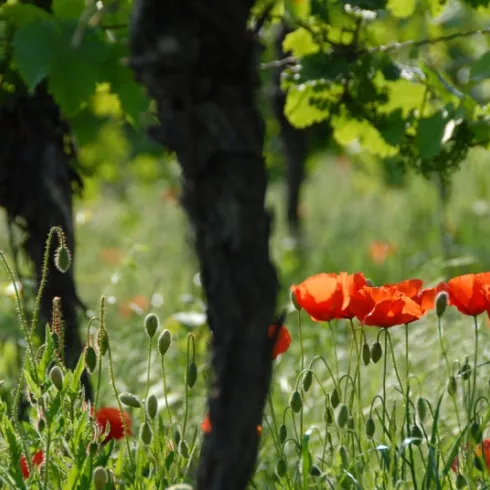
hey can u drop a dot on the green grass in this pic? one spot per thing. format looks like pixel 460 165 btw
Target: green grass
pixel 346 209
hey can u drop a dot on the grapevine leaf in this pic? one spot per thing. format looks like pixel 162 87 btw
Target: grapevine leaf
pixel 64 9
pixel 393 128
pixel 298 9
pixel 34 49
pixel 20 14
pixel 430 132
pixel 401 8
pixel 76 69
pixel 481 68
pixel 300 43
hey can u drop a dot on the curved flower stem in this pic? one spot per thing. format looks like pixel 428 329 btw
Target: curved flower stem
pixel 407 407
pixel 301 341
pixel 148 368
pixel 334 350
pixel 357 375
pixel 384 374
pixel 473 390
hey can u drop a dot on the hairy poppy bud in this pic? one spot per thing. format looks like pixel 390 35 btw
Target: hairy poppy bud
pixel 164 342
pixel 441 303
pixel 177 437
pixel 90 359
pixel 476 432
pixel 152 406
pixel 296 402
pixel 465 371
pixel 344 457
pixel 370 428
pixel 452 386
pixel 146 434
pixel 417 433
pixel 307 380
pixel 376 352
pixel 191 374
pixel 62 259
pixel 100 478
pixel 102 341
pixel 151 324
pixel 93 447
pixel 335 398
pixel 350 422
pixel 41 424
pixel 315 471
pixel 283 434
pixel 421 408
pixel 343 416
pixel 183 449
pixel 56 377
pixel 129 400
pixel 461 481
pixel 281 468
pixel 328 415
pixel 369 283
pixel 366 354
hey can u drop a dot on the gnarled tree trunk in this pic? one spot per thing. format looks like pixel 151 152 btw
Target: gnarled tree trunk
pixel 198 60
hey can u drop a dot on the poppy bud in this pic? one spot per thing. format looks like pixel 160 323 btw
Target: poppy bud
pixel 294 301
pixel 102 341
pixel 295 402
pixel 62 259
pixel 146 434
pixel 461 481
pixel 281 468
pixel 366 354
pixel 350 422
pixel 151 324
pixel 476 432
pixel 129 400
pixel 183 449
pixel 344 457
pixel 335 398
pixel 41 424
pixel 343 416
pixel 417 433
pixel 93 447
pixel 421 408
pixel 164 342
pixel 465 371
pixel 177 437
pixel 307 380
pixel 315 471
pixel 100 478
pixel 369 283
pixel 370 428
pixel 191 375
pixel 90 359
pixel 328 415
pixel 56 377
pixel 152 407
pixel 376 352
pixel 452 386
pixel 283 434
pixel 441 303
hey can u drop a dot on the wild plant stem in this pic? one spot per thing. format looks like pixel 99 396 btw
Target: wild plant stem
pixel 165 391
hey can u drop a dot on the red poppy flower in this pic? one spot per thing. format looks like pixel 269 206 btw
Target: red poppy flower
pixel 327 296
pixel 206 426
pixel 283 340
pixel 385 306
pixel 485 454
pixel 426 298
pixel 37 460
pixel 112 416
pixel 470 293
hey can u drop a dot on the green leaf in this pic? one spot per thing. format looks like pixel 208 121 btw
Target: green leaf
pixel 401 8
pixel 76 69
pixel 298 9
pixel 299 43
pixel 481 67
pixel 430 131
pixel 393 128
pixel 34 49
pixel 436 7
pixel 20 14
pixel 68 9
pixel 309 103
pixel 405 95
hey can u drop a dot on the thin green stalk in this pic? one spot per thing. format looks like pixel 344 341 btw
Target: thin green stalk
pixel 46 463
pixel 148 369
pixel 186 400
pixel 407 408
pixel 473 391
pixel 301 341
pixel 165 391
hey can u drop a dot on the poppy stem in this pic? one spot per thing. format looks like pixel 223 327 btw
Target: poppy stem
pixel 384 375
pixel 301 341
pixel 473 391
pixel 164 378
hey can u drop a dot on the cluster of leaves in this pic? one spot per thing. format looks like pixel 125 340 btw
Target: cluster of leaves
pixel 379 74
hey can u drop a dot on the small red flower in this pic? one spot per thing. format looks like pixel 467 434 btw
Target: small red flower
pixel 37 460
pixel 283 340
pixel 389 305
pixel 485 454
pixel 380 251
pixel 112 416
pixel 327 296
pixel 206 426
pixel 470 293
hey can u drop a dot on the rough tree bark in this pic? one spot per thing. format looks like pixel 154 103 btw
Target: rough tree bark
pixel 36 189
pixel 198 60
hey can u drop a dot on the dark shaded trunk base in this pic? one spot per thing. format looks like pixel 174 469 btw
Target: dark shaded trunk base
pixel 36 189
pixel 198 61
